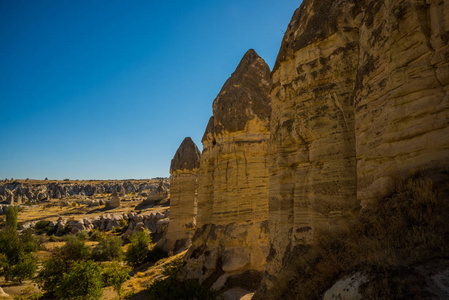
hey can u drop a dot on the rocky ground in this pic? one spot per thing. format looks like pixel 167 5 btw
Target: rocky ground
pixel 144 205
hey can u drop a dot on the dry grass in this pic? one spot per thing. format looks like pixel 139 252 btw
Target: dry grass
pixel 144 278
pixel 409 226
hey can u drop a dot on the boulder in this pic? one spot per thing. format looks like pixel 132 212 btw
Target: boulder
pixel 114 202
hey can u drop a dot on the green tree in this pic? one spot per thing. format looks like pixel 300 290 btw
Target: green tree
pixel 75 249
pixel 109 248
pixel 137 252
pixel 52 272
pixel 61 262
pixel 25 268
pixel 115 275
pixel 83 281
pixel 16 261
pixel 11 217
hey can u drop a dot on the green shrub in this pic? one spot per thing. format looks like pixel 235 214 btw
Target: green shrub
pixel 75 249
pixel 83 281
pixel 16 260
pixel 42 227
pixel 4 264
pixel 33 296
pixel 98 236
pixel 109 248
pixel 29 243
pixel 82 235
pixel 137 252
pixel 115 275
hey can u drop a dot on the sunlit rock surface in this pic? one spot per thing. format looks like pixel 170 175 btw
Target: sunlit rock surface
pixel 183 195
pixel 231 235
pixel 360 95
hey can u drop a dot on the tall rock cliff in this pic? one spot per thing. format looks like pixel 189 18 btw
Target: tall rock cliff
pixel 183 195
pixel 360 94
pixel 233 179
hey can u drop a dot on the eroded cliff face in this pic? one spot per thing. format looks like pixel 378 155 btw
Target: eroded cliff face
pixel 233 179
pixel 360 94
pixel 183 195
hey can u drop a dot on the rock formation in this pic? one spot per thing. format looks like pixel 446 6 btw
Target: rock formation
pixel 160 193
pixel 231 235
pixel 154 222
pixel 183 193
pixel 114 202
pixel 360 94
pixel 34 191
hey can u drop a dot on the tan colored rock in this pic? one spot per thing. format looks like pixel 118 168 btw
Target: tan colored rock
pixel 183 195
pixel 157 195
pixel 401 102
pixel 360 94
pixel 114 202
pixel 233 177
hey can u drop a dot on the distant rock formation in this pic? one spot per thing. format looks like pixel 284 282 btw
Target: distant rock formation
pixel 231 235
pixel 360 94
pixel 114 202
pixel 183 195
pixel 155 222
pixel 34 191
pixel 160 193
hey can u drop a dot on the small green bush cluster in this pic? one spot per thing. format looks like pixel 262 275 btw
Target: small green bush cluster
pixel 123 227
pixel 72 272
pixel 42 227
pixel 16 251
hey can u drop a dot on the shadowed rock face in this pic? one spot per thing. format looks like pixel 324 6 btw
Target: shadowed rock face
pixel 183 193
pixel 360 94
pixel 233 178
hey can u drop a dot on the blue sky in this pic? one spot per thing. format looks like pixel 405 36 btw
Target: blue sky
pixel 109 89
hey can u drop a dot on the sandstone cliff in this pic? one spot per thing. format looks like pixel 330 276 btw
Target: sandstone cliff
pixel 233 178
pixel 360 94
pixel 183 195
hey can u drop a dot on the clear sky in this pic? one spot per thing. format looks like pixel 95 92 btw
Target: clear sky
pixel 96 89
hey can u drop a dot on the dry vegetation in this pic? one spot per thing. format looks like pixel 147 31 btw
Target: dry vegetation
pixel 408 227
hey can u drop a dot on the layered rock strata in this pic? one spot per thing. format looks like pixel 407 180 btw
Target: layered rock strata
pixel 360 94
pixel 231 235
pixel 183 195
